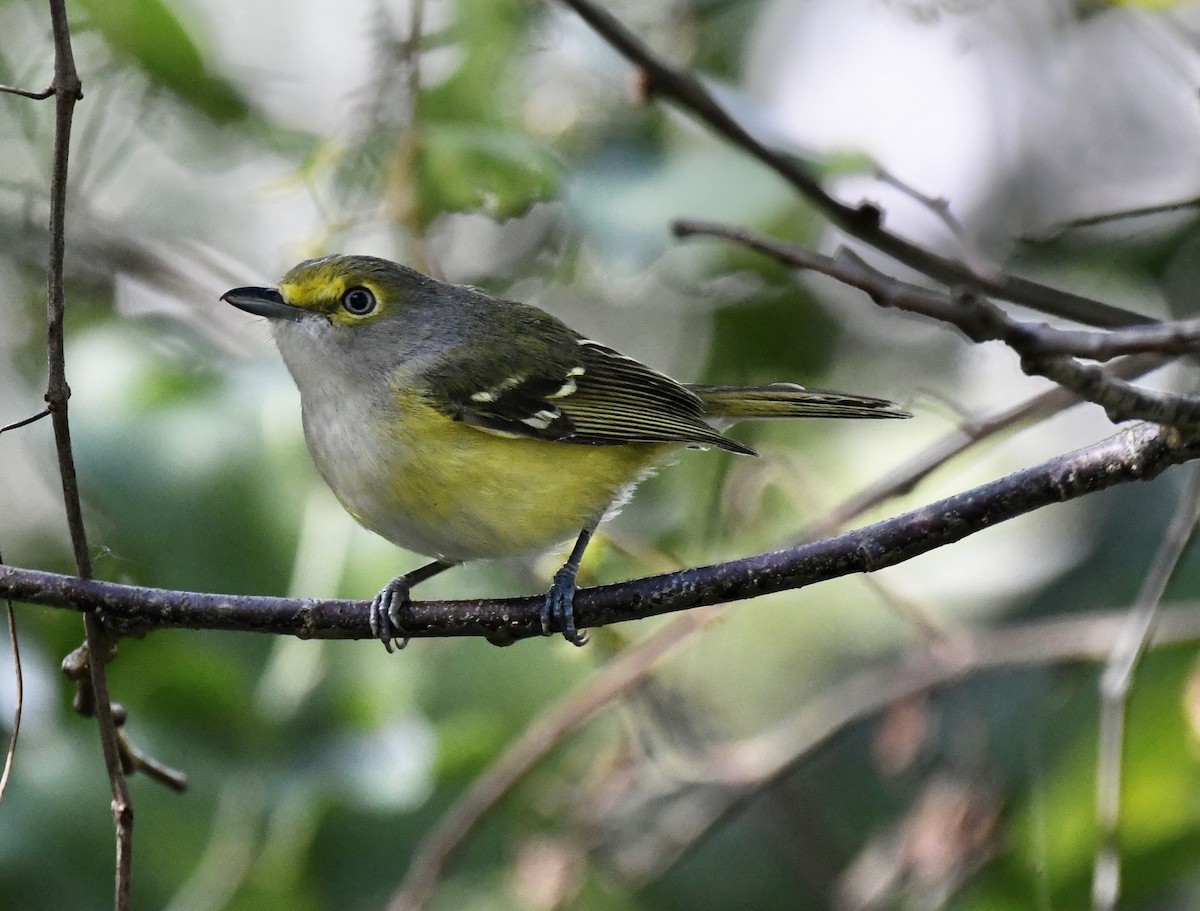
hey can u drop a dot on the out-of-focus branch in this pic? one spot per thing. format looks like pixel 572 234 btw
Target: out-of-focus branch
pixel 737 770
pixel 443 842
pixel 1127 650
pixel 865 221
pixel 981 321
pixel 26 93
pixel 10 754
pixel 1102 218
pixel 905 477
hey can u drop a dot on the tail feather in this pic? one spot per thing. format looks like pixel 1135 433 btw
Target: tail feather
pixel 787 400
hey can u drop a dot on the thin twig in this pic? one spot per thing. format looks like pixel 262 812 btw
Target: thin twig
pixel 1165 208
pixel 1136 453
pixel 25 422
pixel 940 207
pixel 864 222
pixel 26 93
pixel 135 760
pixel 11 753
pixel 906 477
pixel 1127 651
pixel 67 91
pixel 67 88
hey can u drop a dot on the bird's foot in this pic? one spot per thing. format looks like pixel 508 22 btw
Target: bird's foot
pixel 558 610
pixel 389 604
pixel 386 608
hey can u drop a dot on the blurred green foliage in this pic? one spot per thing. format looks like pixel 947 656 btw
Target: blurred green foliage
pixel 525 164
pixel 148 34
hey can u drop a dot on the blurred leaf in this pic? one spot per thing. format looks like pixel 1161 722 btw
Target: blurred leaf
pixel 474 168
pixel 149 34
pixel 490 34
pixel 1149 4
pixel 777 335
pixel 1054 832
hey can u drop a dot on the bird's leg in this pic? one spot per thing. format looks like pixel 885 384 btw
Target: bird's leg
pixel 560 600
pixel 387 605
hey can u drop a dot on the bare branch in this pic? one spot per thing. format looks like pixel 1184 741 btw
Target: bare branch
pixel 135 760
pixel 920 466
pixel 26 93
pixel 864 222
pixel 1174 337
pixel 10 754
pixel 1101 218
pixel 981 321
pixel 1137 453
pixel 940 207
pixel 25 422
pixel 1120 400
pixel 67 91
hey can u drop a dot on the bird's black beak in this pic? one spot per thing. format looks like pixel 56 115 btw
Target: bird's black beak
pixel 266 302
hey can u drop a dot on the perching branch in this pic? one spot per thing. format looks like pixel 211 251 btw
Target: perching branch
pixel 1137 453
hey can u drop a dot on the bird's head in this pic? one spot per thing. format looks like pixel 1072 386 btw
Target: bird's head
pixel 355 315
pixel 339 291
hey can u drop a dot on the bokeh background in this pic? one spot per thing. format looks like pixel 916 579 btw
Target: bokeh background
pixel 220 142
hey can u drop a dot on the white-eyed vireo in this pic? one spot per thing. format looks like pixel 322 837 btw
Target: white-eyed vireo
pixel 461 426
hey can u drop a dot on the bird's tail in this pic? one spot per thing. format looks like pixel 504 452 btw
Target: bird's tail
pixel 787 400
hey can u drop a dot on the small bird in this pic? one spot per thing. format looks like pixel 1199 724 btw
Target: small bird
pixel 462 426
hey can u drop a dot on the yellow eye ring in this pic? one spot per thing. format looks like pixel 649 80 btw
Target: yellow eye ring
pixel 358 301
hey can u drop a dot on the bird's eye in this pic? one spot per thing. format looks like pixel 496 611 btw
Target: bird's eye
pixel 358 301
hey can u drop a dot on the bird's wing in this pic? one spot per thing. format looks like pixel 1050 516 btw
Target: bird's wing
pixel 553 384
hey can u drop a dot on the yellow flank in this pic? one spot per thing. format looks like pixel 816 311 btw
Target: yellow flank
pixel 450 490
